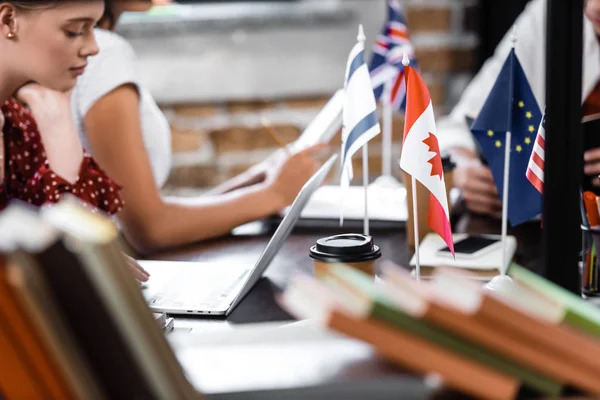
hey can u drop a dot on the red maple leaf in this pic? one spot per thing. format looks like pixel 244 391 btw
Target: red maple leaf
pixel 436 160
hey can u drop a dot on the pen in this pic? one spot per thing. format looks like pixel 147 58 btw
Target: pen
pixel 273 133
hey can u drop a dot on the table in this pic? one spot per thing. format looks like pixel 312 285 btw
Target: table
pixel 260 304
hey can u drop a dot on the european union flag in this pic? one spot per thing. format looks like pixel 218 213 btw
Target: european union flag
pixel 511 106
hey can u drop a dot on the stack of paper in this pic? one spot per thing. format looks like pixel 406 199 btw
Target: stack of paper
pixel 386 205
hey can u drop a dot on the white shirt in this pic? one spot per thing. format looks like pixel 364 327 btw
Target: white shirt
pixel 115 66
pixel 530 48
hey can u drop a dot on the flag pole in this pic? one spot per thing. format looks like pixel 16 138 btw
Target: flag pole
pixel 365 153
pixel 505 185
pixel 502 281
pixel 505 202
pixel 416 227
pixel 406 62
pixel 386 142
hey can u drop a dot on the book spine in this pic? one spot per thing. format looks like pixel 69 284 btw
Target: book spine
pixel 512 347
pixel 32 346
pixel 579 322
pixel 423 357
pixel 570 344
pixel 532 379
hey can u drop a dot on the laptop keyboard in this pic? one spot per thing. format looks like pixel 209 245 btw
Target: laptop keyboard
pixel 185 294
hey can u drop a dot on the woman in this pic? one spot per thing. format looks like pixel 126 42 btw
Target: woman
pixel 46 42
pixel 129 135
pixel 471 176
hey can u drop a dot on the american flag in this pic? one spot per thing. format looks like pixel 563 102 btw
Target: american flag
pixel 388 50
pixel 535 169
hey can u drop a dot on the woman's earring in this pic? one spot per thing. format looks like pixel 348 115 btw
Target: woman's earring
pixel 10 35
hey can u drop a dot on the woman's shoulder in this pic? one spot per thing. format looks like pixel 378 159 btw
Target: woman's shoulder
pixel 115 61
pixel 112 44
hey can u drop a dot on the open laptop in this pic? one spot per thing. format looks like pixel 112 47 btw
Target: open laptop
pixel 215 288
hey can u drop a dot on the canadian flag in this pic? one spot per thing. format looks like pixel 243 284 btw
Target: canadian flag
pixel 421 153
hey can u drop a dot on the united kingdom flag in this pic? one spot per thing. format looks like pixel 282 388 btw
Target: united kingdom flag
pixel 388 51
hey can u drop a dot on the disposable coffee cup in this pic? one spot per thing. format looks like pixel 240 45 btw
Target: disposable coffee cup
pixel 355 250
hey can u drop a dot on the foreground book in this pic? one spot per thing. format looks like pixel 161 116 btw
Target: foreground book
pixel 451 328
pixel 91 329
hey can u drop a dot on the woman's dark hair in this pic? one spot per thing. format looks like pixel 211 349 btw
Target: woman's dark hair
pixel 108 19
pixel 31 4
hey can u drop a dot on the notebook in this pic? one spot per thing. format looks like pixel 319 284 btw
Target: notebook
pixel 387 207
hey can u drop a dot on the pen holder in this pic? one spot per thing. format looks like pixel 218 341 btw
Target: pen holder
pixel 590 256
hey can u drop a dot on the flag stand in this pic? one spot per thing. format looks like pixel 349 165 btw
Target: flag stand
pixel 503 280
pixel 386 141
pixel 406 62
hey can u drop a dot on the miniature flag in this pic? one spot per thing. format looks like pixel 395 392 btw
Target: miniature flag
pixel 421 153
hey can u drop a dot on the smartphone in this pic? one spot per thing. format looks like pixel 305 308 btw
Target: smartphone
pixel 472 247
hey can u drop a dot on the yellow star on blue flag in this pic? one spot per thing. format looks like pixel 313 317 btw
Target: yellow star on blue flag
pixel 510 107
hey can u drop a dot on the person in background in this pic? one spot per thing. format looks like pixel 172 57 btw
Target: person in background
pixel 471 175
pixel 130 136
pixel 45 46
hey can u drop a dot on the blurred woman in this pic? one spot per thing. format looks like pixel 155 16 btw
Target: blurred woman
pixel 130 136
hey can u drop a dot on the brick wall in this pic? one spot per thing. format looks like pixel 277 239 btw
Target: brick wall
pixel 213 142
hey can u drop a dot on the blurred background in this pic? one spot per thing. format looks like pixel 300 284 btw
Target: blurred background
pixel 216 67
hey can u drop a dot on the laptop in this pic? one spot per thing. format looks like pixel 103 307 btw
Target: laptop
pixel 216 288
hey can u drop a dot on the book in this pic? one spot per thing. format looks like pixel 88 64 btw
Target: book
pixel 27 370
pixel 103 272
pixel 80 316
pixel 41 334
pixel 423 302
pixel 39 308
pixel 308 298
pixel 383 309
pixel 510 314
pixel 572 310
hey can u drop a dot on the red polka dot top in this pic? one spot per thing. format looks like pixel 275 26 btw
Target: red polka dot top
pixel 27 173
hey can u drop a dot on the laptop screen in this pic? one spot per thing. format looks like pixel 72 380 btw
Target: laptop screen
pixel 285 228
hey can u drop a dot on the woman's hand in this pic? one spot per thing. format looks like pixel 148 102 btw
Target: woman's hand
pixel 591 166
pixel 52 113
pixel 476 183
pixel 138 272
pixel 287 177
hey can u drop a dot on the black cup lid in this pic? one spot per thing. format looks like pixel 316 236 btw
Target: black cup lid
pixel 350 247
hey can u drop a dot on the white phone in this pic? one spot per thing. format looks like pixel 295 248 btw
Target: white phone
pixel 473 246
